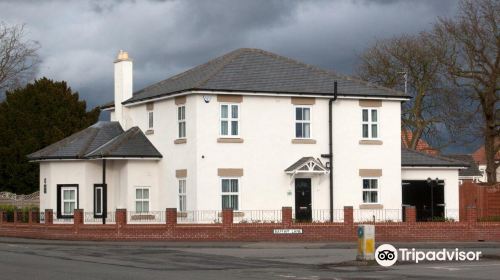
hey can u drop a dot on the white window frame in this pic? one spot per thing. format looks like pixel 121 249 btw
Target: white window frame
pixel 229 120
pixel 222 193
pixel 151 120
pixel 75 200
pixel 101 202
pixel 142 200
pixel 181 121
pixel 377 190
pixel 182 206
pixel 370 122
pixel 295 121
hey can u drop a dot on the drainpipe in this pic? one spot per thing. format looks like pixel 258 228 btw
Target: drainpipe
pixel 330 147
pixel 104 193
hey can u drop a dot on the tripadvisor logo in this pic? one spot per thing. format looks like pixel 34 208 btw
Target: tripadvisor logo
pixel 387 255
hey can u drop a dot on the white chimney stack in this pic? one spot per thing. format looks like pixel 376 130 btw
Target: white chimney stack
pixel 123 86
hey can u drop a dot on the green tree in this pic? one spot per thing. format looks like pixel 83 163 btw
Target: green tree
pixel 31 118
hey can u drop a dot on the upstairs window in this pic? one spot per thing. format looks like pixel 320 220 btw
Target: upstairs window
pixel 302 122
pixel 230 194
pixel 229 120
pixel 370 190
pixel 370 123
pixel 150 120
pixel 181 121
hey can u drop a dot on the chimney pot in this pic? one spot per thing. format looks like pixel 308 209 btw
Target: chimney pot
pixel 122 56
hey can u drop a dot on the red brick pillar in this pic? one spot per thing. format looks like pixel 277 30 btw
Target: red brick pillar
pixel 78 217
pixel 121 217
pixel 286 216
pixel 1 216
pixel 171 216
pixel 471 215
pixel 227 217
pixel 410 214
pixel 49 216
pixel 348 215
pixel 16 216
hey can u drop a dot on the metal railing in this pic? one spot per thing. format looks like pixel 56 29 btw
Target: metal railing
pixel 377 215
pixel 41 217
pixel 257 216
pixel 321 216
pixel 64 220
pixel 150 217
pixel 90 218
pixel 200 217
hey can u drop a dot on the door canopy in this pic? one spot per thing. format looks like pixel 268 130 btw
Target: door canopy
pixel 307 165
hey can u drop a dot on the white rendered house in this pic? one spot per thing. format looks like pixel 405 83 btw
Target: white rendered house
pixel 249 130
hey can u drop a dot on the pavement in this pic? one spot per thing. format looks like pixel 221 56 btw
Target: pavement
pixel 46 259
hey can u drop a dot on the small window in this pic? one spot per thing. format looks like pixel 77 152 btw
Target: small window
pixel 370 123
pixel 181 120
pixel 230 197
pixel 182 195
pixel 229 120
pixel 370 190
pixel 142 200
pixel 150 120
pixel 302 122
pixel 68 203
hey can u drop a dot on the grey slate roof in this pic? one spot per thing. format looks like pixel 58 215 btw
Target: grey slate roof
pixel 130 144
pixel 94 138
pixel 412 158
pixel 79 144
pixel 254 70
pixel 472 170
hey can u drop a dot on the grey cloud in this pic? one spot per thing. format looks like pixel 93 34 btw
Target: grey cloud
pixel 80 39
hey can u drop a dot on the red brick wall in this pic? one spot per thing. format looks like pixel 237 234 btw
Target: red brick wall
pixel 468 229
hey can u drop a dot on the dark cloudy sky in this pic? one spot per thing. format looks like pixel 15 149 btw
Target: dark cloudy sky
pixel 80 39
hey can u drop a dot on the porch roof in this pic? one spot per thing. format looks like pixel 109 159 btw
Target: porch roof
pixel 307 165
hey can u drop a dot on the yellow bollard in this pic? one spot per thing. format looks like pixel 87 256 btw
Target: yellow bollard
pixel 366 243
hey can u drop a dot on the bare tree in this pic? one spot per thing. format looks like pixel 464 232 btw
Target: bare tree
pixel 18 56
pixel 471 45
pixel 386 63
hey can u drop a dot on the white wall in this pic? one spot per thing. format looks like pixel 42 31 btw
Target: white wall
pixel 175 156
pixel 451 186
pixel 267 128
pixel 350 156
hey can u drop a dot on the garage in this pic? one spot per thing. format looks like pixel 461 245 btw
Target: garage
pixel 427 196
pixel 430 184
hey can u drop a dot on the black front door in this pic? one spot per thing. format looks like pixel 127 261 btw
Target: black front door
pixel 303 200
